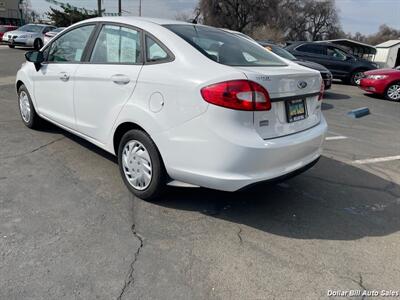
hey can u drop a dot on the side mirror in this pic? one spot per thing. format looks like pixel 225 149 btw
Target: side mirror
pixel 35 57
pixel 349 57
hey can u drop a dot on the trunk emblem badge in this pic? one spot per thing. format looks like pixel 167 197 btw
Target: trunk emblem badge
pixel 302 84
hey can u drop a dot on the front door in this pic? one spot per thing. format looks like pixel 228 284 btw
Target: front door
pixel 105 83
pixel 54 82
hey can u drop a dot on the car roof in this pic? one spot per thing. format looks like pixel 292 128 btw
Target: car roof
pixel 131 20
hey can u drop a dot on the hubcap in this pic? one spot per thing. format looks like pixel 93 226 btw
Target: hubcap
pixel 136 164
pixel 357 77
pixel 394 92
pixel 25 106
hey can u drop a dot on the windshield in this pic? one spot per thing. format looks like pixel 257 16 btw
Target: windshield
pixel 31 28
pixel 224 47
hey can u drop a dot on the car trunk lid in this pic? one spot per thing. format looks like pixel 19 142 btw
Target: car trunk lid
pixel 294 92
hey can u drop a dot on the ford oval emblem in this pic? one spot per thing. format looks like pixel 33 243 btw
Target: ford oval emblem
pixel 302 84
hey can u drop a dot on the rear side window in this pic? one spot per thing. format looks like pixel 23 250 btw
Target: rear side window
pixel 224 47
pixel 69 47
pixel 117 45
pixel 312 48
pixel 154 51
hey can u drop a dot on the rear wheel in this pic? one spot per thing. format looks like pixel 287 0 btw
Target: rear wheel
pixel 393 92
pixel 26 109
pixel 141 165
pixel 356 76
pixel 38 44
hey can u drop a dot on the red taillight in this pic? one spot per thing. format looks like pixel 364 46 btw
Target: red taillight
pixel 237 94
pixel 321 91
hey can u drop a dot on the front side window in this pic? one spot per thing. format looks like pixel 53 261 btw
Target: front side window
pixel 154 52
pixel 70 46
pixel 336 53
pixel 117 44
pixel 224 47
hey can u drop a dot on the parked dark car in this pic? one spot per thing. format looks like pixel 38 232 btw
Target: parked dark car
pixel 341 63
pixel 325 73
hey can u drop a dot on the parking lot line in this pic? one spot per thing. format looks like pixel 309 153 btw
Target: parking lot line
pixel 377 159
pixel 338 137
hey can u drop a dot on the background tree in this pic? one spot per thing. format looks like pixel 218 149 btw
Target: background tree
pixel 287 19
pixel 68 16
pixel 28 14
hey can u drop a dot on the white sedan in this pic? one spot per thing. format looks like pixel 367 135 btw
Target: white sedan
pixel 178 103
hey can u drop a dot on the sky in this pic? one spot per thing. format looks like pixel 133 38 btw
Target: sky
pixel 363 16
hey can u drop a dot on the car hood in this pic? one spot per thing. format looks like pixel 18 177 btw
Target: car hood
pixel 311 65
pixel 382 72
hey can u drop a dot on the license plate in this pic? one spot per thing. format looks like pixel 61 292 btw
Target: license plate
pixel 295 110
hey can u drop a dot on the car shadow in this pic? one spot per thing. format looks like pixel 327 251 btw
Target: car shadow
pixel 335 96
pixel 326 106
pixel 332 201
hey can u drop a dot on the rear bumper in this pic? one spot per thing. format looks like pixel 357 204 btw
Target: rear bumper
pixel 200 154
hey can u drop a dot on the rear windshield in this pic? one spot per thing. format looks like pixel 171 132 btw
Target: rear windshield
pixel 224 47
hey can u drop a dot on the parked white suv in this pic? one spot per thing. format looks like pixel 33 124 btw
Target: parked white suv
pixel 176 102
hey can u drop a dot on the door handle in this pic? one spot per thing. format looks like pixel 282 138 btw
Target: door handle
pixel 120 79
pixel 64 76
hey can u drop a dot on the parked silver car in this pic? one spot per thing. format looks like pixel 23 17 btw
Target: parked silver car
pixel 29 35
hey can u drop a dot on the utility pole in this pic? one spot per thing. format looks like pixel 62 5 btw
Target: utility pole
pixel 140 8
pixel 21 10
pixel 99 8
pixel 119 7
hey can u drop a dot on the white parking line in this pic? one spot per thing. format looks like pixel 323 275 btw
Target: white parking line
pixel 376 160
pixel 337 137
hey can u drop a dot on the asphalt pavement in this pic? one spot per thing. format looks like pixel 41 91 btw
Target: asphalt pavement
pixel 69 229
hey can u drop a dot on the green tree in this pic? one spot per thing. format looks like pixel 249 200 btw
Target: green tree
pixel 68 16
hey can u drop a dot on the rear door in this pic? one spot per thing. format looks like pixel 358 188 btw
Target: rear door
pixel 313 52
pixel 106 81
pixel 294 92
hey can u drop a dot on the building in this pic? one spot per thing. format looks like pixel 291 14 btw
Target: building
pixel 388 54
pixel 9 12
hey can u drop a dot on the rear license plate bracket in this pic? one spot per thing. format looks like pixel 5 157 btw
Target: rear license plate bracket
pixel 296 110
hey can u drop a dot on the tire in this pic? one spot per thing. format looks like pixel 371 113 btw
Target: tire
pixel 392 92
pixel 26 109
pixel 38 44
pixel 355 77
pixel 11 46
pixel 141 163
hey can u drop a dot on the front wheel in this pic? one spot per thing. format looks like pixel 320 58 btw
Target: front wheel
pixel 11 46
pixel 26 108
pixel 393 92
pixel 356 77
pixel 141 165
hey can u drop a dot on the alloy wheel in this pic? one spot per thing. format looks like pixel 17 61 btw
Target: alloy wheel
pixel 393 92
pixel 357 77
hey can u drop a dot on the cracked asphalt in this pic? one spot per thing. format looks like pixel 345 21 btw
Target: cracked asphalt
pixel 69 229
